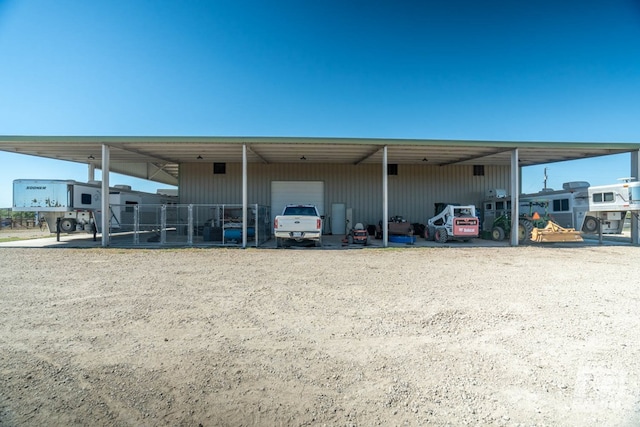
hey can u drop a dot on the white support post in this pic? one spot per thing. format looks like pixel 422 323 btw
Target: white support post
pixel 91 172
pixel 515 196
pixel 635 220
pixel 385 199
pixel 244 195
pixel 106 212
pixel 189 225
pixel 136 224
pixel 163 224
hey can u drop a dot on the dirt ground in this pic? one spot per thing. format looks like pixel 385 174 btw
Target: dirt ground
pixel 533 335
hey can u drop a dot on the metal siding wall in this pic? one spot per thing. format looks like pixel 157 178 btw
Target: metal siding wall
pixel 198 184
pixel 412 193
pixel 416 189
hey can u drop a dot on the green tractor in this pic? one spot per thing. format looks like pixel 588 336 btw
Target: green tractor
pixel 534 227
pixel 501 228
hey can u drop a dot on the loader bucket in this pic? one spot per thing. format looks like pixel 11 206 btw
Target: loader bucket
pixel 552 232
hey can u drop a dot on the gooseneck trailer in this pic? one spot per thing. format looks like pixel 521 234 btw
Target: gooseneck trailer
pixel 69 206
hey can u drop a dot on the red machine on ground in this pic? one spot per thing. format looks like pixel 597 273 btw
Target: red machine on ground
pixel 358 234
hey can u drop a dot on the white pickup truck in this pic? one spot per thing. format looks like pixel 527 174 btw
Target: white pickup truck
pixel 298 223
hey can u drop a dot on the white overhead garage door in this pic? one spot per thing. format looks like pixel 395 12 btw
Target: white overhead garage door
pixel 296 193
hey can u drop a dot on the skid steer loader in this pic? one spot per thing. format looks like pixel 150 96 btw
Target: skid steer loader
pixel 453 223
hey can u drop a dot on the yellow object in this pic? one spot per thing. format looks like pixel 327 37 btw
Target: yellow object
pixel 552 232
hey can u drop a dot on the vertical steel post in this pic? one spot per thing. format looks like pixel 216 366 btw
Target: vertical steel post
pixel 515 196
pixel 163 224
pixel 244 195
pixel 255 214
pixel 189 225
pixel 635 217
pixel 385 199
pixel 136 224
pixel 105 205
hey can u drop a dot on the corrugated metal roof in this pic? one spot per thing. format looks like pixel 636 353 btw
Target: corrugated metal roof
pixel 158 157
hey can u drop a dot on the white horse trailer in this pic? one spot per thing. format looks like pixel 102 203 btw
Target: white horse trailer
pixel 578 205
pixel 609 204
pixel 78 206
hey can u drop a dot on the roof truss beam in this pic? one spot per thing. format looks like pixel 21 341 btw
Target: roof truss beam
pixel 142 153
pixel 252 149
pixel 367 156
pixel 475 157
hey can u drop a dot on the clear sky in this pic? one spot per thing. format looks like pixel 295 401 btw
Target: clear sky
pixel 544 70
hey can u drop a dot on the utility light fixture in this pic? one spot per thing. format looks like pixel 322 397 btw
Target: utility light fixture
pixel 199 157
pixel 91 157
pixel 303 158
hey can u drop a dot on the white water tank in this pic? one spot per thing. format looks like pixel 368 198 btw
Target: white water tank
pixel 498 193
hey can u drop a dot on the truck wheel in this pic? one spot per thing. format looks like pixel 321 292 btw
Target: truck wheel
pixel 590 225
pixel 67 225
pixel 441 235
pixel 319 243
pixel 497 233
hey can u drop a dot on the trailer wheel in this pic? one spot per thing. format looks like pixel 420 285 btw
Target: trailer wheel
pixel 497 233
pixel 441 235
pixel 67 225
pixel 590 225
pixel 525 227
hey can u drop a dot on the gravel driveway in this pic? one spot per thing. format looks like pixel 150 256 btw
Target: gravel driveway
pixel 534 335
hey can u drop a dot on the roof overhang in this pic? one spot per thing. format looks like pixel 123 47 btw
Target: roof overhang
pixel 158 158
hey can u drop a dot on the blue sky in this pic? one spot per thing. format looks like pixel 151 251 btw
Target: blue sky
pixel 494 70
